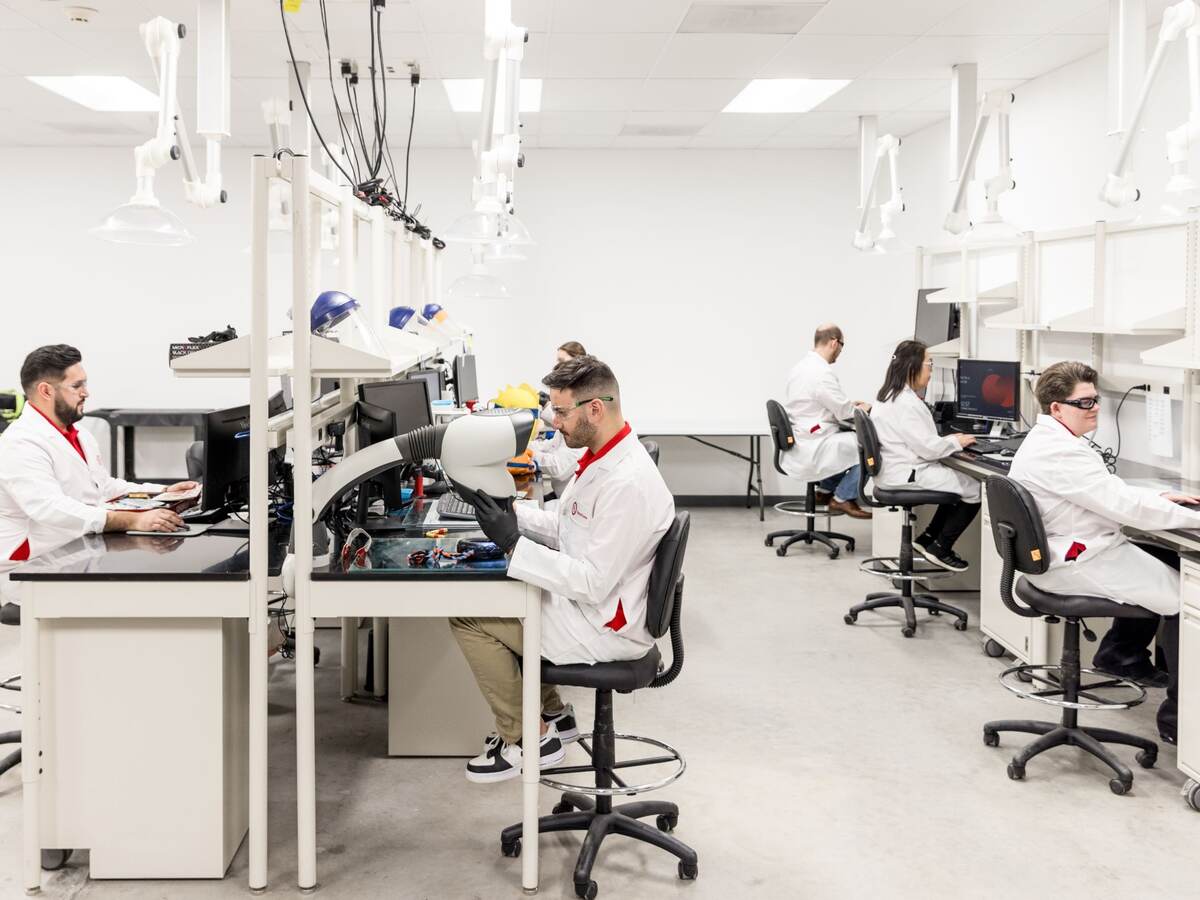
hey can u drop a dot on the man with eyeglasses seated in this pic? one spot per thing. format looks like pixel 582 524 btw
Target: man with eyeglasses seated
pixel 592 555
pixel 1083 508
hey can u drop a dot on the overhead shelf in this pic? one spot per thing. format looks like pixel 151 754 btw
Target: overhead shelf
pixel 997 295
pixel 1181 354
pixel 329 358
pixel 1083 322
pixel 1019 319
pixel 951 349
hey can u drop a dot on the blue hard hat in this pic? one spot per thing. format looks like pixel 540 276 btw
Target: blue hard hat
pixel 400 315
pixel 329 309
pixel 431 310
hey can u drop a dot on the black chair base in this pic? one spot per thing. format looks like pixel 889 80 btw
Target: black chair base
pixel 1092 740
pixel 810 533
pixel 575 812
pixel 910 605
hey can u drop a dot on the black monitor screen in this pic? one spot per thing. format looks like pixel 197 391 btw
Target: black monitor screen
pixel 408 401
pixel 227 455
pixel 936 323
pixel 989 390
pixel 432 378
pixel 466 387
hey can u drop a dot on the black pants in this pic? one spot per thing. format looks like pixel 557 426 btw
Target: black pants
pixel 1126 646
pixel 950 521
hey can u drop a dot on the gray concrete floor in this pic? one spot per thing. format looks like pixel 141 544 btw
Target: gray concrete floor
pixel 824 761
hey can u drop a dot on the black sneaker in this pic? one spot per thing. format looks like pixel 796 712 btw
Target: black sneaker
pixel 940 556
pixel 1147 676
pixel 501 761
pixel 564 721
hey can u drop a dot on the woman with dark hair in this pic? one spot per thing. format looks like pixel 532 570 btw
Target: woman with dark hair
pixel 911 448
pixel 554 458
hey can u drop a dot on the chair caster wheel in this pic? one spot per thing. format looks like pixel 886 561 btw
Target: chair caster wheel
pixel 769 542
pixel 833 554
pixel 1025 677
pixel 849 618
pixel 1118 787
pixel 1191 793
pixel 908 631
pixel 511 850
pixel 849 546
pixel 689 872
pixel 960 625
pixel 562 806
pixel 934 612
pixel 992 648
pixel 991 738
pixel 667 823
pixel 1147 758
pixel 52 860
pixel 782 551
pixel 1016 772
pixel 587 891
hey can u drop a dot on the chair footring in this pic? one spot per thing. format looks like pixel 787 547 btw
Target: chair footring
pixel 1046 686
pixel 889 567
pixel 673 756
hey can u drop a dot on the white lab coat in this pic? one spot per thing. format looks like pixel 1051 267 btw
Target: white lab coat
pixel 554 458
pixel 911 448
pixel 48 494
pixel 1083 506
pixel 815 403
pixel 594 553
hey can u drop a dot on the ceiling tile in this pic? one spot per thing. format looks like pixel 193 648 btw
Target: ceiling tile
pixel 932 56
pixel 1046 54
pixel 1096 20
pixel 745 125
pixel 263 54
pixel 938 100
pixel 879 95
pixel 589 93
pixel 109 15
pixel 398 48
pixel 717 55
pixel 748 18
pixel 832 56
pixel 604 55
pixel 651 142
pixel 688 93
pixel 466 16
pixel 881 16
pixel 807 142
pixel 725 142
pixel 907 122
pixel 628 16
pixel 572 141
pixel 461 56
pixel 41 53
pixel 671 118
pixel 582 123
pixel 1013 16
pixel 13 20
pixel 820 123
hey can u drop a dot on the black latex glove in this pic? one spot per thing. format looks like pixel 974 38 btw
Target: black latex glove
pixel 498 522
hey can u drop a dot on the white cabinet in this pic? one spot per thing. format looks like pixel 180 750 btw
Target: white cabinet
pixel 1189 671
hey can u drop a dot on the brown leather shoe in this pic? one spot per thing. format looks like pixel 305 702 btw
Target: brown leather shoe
pixel 822 498
pixel 849 507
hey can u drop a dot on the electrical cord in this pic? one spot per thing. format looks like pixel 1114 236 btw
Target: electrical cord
pixel 347 144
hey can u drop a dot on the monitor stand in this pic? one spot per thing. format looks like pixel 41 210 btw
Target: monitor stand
pixel 998 429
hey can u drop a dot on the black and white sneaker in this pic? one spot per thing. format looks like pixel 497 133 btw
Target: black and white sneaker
pixel 940 556
pixel 564 721
pixel 501 761
pixel 921 544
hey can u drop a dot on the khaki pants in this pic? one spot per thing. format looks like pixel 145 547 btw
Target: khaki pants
pixel 492 648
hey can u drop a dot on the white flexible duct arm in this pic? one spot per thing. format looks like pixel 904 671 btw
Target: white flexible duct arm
pixel 161 40
pixel 1117 190
pixel 995 103
pixel 886 147
pixel 1179 140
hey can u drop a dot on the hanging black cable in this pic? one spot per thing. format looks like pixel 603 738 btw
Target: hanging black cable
pixel 408 149
pixel 347 144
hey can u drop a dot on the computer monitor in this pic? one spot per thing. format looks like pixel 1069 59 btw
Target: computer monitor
pixel 407 399
pixel 989 390
pixel 433 378
pixel 377 424
pixel 466 387
pixel 227 456
pixel 936 323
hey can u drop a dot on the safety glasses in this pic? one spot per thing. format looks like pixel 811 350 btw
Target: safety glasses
pixel 561 412
pixel 1082 402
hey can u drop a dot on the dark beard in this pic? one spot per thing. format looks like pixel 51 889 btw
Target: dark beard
pixel 66 414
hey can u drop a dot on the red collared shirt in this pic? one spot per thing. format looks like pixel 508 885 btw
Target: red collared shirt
pixel 589 457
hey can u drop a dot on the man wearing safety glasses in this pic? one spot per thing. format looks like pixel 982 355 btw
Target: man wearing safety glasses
pixel 1084 507
pixel 593 555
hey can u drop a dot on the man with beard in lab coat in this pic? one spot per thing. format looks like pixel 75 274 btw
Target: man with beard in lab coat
pixel 592 554
pixel 815 404
pixel 1083 507
pixel 53 483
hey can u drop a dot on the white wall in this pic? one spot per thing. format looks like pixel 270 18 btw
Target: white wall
pixel 699 276
pixel 1061 153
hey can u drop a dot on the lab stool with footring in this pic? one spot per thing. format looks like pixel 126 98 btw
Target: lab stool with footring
pixel 1021 541
pixel 784 439
pixel 10 614
pixel 898 569
pixel 577 810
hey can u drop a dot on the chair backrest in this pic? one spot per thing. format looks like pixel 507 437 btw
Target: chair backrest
pixel 193 457
pixel 1019 534
pixel 782 435
pixel 870 456
pixel 665 575
pixel 652 449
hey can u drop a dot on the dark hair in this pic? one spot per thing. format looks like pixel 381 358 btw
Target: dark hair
pixel 825 334
pixel 902 370
pixel 47 363
pixel 586 377
pixel 573 349
pixel 1057 382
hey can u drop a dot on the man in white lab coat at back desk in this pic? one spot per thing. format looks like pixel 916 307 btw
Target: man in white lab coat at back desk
pixel 1083 507
pixel 815 404
pixel 592 554
pixel 53 482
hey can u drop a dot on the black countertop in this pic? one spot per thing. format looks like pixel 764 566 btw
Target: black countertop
pixel 388 559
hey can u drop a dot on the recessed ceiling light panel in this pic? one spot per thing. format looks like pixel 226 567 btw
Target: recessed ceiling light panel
pixel 784 95
pixel 103 93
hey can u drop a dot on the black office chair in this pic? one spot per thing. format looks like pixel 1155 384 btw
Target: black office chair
pixel 10 614
pixel 599 818
pixel 651 448
pixel 193 457
pixel 784 439
pixel 1021 541
pixel 898 569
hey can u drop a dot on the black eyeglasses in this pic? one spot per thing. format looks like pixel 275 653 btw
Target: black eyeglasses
pixel 1082 402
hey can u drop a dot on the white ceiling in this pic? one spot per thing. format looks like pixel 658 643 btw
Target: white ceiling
pixel 618 73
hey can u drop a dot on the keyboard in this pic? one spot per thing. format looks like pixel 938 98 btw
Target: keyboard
pixel 452 506
pixel 996 445
pixel 1001 463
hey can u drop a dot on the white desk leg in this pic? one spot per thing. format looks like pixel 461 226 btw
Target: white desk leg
pixel 349 657
pixel 531 719
pixel 259 675
pixel 306 757
pixel 379 630
pixel 31 741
